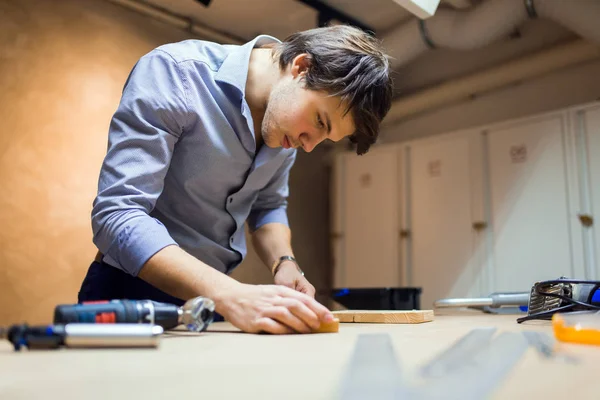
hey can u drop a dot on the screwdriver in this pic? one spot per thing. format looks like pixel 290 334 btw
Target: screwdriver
pixel 81 335
pixel 196 314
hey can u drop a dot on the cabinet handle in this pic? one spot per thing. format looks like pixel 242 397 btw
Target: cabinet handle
pixel 586 220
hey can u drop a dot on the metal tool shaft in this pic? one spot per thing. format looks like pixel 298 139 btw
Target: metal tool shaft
pixel 494 300
pixel 112 335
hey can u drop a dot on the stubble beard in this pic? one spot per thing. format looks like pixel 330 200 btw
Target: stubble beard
pixel 269 130
pixel 269 127
pixel 276 108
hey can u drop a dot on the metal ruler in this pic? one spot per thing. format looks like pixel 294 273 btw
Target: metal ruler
pixel 373 371
pixel 545 344
pixel 466 346
pixel 471 368
pixel 478 372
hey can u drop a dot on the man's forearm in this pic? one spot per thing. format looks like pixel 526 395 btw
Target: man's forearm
pixel 272 241
pixel 179 274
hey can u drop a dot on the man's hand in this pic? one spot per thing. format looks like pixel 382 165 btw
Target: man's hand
pixel 251 308
pixel 289 276
pixel 271 308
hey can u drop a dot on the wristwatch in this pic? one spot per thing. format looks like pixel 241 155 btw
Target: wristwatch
pixel 277 263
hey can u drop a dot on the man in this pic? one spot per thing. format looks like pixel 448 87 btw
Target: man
pixel 201 143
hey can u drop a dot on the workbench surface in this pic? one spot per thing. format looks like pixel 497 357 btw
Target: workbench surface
pixel 224 363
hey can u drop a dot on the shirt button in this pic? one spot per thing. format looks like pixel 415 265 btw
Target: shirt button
pixel 231 240
pixel 230 199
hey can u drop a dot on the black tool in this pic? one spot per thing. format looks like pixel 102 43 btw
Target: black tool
pixel 562 295
pixel 543 300
pixel 196 314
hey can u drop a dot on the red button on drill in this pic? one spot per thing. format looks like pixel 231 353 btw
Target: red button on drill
pixel 105 318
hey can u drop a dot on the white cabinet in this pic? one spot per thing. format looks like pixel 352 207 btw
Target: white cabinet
pixel 586 125
pixel 366 212
pixel 493 208
pixel 441 208
pixel 529 202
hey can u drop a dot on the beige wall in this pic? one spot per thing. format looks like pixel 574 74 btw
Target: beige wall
pixel 62 67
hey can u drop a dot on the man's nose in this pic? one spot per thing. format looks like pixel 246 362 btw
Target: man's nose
pixel 311 141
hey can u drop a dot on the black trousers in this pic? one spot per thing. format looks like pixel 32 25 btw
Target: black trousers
pixel 104 282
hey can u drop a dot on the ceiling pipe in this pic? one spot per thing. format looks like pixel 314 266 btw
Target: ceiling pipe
pixel 513 71
pixel 486 23
pixel 178 21
pixel 480 26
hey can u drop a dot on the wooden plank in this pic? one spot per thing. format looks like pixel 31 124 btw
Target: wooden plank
pixel 385 316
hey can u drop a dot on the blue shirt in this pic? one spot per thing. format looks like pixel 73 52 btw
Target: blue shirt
pixel 181 166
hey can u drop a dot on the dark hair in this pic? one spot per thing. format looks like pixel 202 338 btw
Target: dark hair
pixel 350 63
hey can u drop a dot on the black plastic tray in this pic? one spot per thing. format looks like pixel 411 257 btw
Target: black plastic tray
pixel 401 298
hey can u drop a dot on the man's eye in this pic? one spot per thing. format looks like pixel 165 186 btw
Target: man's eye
pixel 320 122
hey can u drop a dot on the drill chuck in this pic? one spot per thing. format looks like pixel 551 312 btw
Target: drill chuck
pixel 197 313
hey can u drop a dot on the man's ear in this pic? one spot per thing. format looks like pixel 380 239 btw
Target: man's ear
pixel 300 65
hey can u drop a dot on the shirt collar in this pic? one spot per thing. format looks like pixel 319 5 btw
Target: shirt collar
pixel 234 69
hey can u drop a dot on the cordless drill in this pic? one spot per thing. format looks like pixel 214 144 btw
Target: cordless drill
pixel 196 314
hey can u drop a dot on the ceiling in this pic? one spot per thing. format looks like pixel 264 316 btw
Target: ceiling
pixel 244 19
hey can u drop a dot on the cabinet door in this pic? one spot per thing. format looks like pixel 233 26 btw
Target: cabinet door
pixel 442 250
pixel 529 203
pixel 337 206
pixel 370 220
pixel 587 123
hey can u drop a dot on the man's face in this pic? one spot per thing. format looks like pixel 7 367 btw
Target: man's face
pixel 302 118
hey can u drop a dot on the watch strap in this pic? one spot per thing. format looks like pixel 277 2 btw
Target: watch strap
pixel 277 264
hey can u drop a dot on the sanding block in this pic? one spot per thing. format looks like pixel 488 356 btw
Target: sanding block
pixel 329 327
pixel 385 316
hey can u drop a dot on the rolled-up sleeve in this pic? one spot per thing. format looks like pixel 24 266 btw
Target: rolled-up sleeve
pixel 271 203
pixel 147 124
